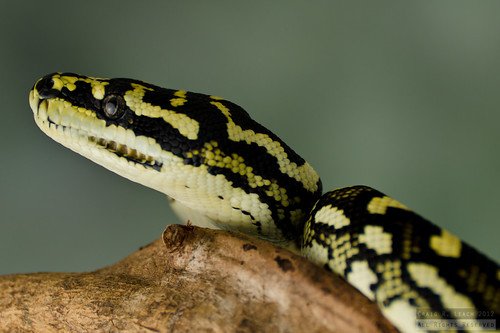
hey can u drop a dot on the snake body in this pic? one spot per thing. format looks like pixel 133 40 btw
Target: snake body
pixel 224 170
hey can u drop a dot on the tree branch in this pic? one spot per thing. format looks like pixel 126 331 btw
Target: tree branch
pixel 194 280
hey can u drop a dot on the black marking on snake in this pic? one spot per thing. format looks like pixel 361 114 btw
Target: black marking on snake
pixel 54 124
pixel 244 212
pixel 220 197
pixel 44 87
pixel 156 166
pixel 247 213
pixel 285 264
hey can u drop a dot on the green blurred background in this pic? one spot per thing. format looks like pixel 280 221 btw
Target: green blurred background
pixel 401 96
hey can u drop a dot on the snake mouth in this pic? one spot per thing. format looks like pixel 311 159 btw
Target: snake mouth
pixel 59 121
pixel 126 152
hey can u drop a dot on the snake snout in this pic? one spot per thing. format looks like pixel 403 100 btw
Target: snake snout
pixel 45 87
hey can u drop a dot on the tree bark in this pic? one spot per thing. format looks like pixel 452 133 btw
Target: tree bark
pixel 191 280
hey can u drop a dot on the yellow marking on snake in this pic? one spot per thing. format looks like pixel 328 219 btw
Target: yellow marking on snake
pixel 68 82
pixel 427 276
pixel 362 277
pixel 343 251
pixel 181 94
pixel 402 315
pixel 376 239
pixel 393 284
pixel 446 245
pixel 380 205
pixel 184 124
pixel 332 216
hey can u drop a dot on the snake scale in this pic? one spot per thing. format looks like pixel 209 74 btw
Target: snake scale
pixel 224 170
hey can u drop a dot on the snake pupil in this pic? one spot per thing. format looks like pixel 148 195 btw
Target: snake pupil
pixel 113 106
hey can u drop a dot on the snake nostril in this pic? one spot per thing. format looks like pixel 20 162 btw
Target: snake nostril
pixel 45 87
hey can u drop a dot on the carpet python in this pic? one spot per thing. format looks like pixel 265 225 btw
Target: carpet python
pixel 222 169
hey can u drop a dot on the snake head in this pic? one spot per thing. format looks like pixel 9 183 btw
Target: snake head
pixel 205 152
pixel 90 116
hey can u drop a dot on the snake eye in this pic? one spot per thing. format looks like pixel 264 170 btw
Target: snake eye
pixel 113 106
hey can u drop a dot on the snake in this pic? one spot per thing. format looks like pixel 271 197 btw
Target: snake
pixel 222 169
